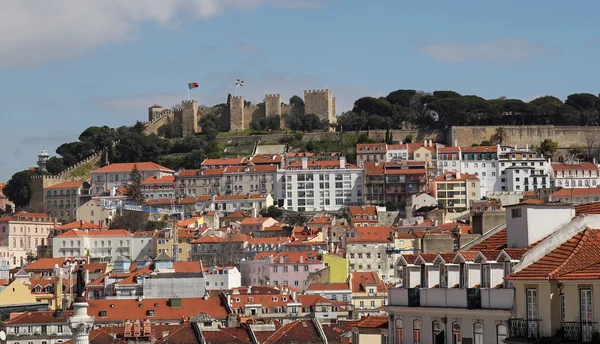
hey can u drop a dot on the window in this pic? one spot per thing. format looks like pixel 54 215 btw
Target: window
pixel 531 304
pixel 562 307
pixel 443 276
pixel 399 332
pixel 485 276
pixel 456 333
pixel 515 213
pixel 436 331
pixel 478 333
pixel 585 305
pixel 416 331
pixel 464 275
pixel 423 276
pixel 59 329
pixel 500 334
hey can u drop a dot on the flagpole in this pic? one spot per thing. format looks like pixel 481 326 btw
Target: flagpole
pixel 236 87
pixel 188 93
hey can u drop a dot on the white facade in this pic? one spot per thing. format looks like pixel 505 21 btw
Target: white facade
pixel 575 174
pixel 117 175
pixel 319 185
pixel 529 223
pixel 230 203
pixel 101 245
pixel 49 333
pixel 223 278
pixel 141 245
pixel 339 295
pixel 93 212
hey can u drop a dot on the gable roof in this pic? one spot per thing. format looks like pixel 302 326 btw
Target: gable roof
pixel 371 321
pixel 577 258
pixel 128 166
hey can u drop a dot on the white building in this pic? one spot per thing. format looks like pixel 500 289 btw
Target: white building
pixel 93 212
pixel 117 175
pixel 482 161
pixel 575 174
pixel 99 245
pixel 142 244
pixel 159 188
pixel 341 292
pixel 448 159
pixel 320 185
pixel 226 204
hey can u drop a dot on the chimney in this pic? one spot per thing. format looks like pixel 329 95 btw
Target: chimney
pixel 458 175
pixel 425 143
pixel 301 260
pixel 304 163
pixel 430 143
pixel 80 223
pixel 455 143
pixel 527 147
pixel 342 162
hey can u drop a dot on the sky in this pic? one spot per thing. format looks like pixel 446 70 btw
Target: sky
pixel 69 65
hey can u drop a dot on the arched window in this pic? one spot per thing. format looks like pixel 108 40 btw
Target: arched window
pixel 416 331
pixel 456 333
pixel 478 333
pixel 399 331
pixel 436 328
pixel 500 334
pixel 579 183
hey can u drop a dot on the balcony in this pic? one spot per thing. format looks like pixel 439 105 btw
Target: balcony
pixel 578 332
pixel 471 298
pixel 524 330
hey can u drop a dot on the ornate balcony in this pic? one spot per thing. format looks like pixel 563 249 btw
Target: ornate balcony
pixel 524 329
pixel 579 331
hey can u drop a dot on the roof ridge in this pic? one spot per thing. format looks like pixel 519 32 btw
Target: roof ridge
pixel 584 238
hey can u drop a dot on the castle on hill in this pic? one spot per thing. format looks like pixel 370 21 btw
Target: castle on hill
pixel 237 115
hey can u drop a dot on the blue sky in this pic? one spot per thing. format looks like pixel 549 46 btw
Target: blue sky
pixel 65 66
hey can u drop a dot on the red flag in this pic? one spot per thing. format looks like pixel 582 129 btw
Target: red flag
pixel 192 85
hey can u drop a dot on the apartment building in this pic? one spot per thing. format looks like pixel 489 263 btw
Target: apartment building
pixel 281 268
pixel 227 204
pixel 576 195
pixel 64 199
pixel 98 245
pixel 371 249
pixel 363 216
pixel 322 185
pixel 369 292
pixel 21 234
pixel 114 176
pixel 455 191
pixel 575 174
pixel 482 161
pixel 448 159
pixel 394 182
pixel 371 152
pixel 159 188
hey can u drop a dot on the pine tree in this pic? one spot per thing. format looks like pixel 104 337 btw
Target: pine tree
pixel 134 188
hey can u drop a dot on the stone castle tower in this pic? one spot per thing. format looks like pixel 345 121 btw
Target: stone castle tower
pixel 320 103
pixel 189 117
pixel 236 114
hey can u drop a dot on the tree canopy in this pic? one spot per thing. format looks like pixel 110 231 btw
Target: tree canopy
pixel 17 189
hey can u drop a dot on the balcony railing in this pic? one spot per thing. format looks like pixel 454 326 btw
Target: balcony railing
pixel 527 329
pixel 579 331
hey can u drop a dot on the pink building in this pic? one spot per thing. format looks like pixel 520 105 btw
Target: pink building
pixel 21 234
pixel 281 268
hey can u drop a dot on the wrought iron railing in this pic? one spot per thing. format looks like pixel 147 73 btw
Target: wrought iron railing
pixel 524 328
pixel 579 331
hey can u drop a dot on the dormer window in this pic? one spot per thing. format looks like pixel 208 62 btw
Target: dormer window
pixel 423 276
pixel 443 276
pixel 508 270
pixel 371 292
pixel 405 277
pixel 485 276
pixel 464 275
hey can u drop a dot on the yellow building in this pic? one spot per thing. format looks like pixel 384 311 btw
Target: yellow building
pixel 338 267
pixel 163 243
pixel 455 190
pixel 370 330
pixel 369 293
pixel 17 293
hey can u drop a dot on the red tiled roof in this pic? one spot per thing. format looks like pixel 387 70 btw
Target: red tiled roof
pixel 268 241
pixel 96 233
pixel 587 208
pixel 369 210
pixel 162 180
pixel 15 217
pixel 366 147
pixel 255 220
pixel 371 321
pixel 575 166
pixel 290 257
pixel 479 149
pixel 128 166
pixel 131 309
pixel 494 242
pixel 577 258
pixel 463 177
pixel 299 331
pixel 227 335
pixel 78 225
pixel 323 164
pixel 66 185
pixel 359 279
pixel 374 169
pixel 38 317
pixel 224 162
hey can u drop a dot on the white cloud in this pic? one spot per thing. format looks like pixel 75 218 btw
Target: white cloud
pixel 254 90
pixel 503 51
pixel 35 31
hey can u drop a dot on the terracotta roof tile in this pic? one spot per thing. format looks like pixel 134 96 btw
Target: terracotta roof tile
pixel 65 185
pixel 587 208
pixel 299 331
pixel 128 166
pixel 371 321
pixel 359 279
pixel 328 286
pixel 494 242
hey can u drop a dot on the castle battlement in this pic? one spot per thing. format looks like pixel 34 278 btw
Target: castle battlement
pixel 316 91
pixel 189 103
pixel 237 97
pixel 271 95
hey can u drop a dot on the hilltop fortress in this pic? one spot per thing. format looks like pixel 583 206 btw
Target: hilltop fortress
pixel 237 116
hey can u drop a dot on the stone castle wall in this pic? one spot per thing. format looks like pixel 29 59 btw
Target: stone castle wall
pixel 189 117
pixel 532 135
pixel 321 103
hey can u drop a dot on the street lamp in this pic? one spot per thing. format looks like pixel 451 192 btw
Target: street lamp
pixel 71 266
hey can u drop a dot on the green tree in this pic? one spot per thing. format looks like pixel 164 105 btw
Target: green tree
pixel 170 130
pixel 134 189
pixel 130 220
pixel 101 137
pixel 17 188
pixel 210 126
pixel 296 101
pixel 548 147
pixel 408 139
pixel 55 165
pixel 306 122
pixel 272 211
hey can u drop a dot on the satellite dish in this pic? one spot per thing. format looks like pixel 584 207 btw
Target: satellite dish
pixel 2 335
